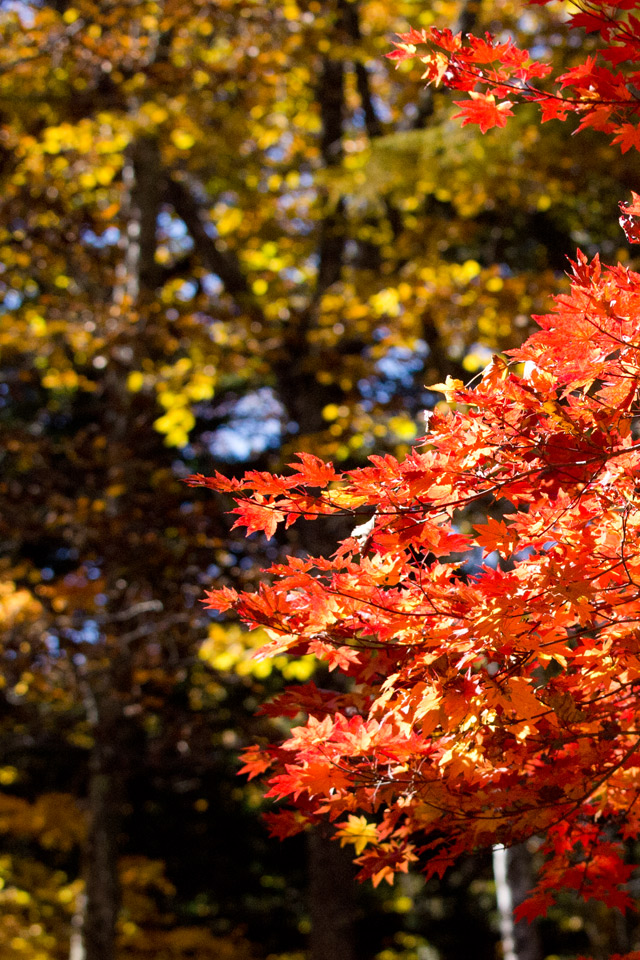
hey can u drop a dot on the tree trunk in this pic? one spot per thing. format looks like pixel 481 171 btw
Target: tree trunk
pixel 76 941
pixel 106 685
pixel 105 802
pixel 138 272
pixel 332 905
pixel 514 879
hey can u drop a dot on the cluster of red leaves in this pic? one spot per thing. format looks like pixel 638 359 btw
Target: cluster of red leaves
pixel 603 90
pixel 489 707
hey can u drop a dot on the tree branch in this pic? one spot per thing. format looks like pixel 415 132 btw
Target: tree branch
pixel 221 262
pixel 425 106
pixel 351 23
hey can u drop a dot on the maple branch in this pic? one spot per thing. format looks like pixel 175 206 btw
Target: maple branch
pixel 424 109
pixel 602 780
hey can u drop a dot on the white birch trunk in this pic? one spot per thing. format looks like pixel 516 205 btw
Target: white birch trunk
pixel 513 877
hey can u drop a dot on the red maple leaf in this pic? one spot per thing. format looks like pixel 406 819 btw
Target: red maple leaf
pixel 628 136
pixel 483 109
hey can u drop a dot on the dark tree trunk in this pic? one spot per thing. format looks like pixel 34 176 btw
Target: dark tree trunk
pixel 331 899
pixel 138 273
pixel 106 686
pixel 105 802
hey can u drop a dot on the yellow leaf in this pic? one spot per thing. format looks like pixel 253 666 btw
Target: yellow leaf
pixel 358 832
pixel 135 381
pixel 182 140
pixel 449 388
pixel 403 427
pixel 229 221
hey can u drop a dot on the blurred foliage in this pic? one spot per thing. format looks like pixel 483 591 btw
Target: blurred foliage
pixel 228 230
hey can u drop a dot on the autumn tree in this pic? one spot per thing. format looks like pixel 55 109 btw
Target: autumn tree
pixel 484 608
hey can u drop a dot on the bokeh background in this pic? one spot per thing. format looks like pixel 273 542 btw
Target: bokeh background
pixel 230 230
